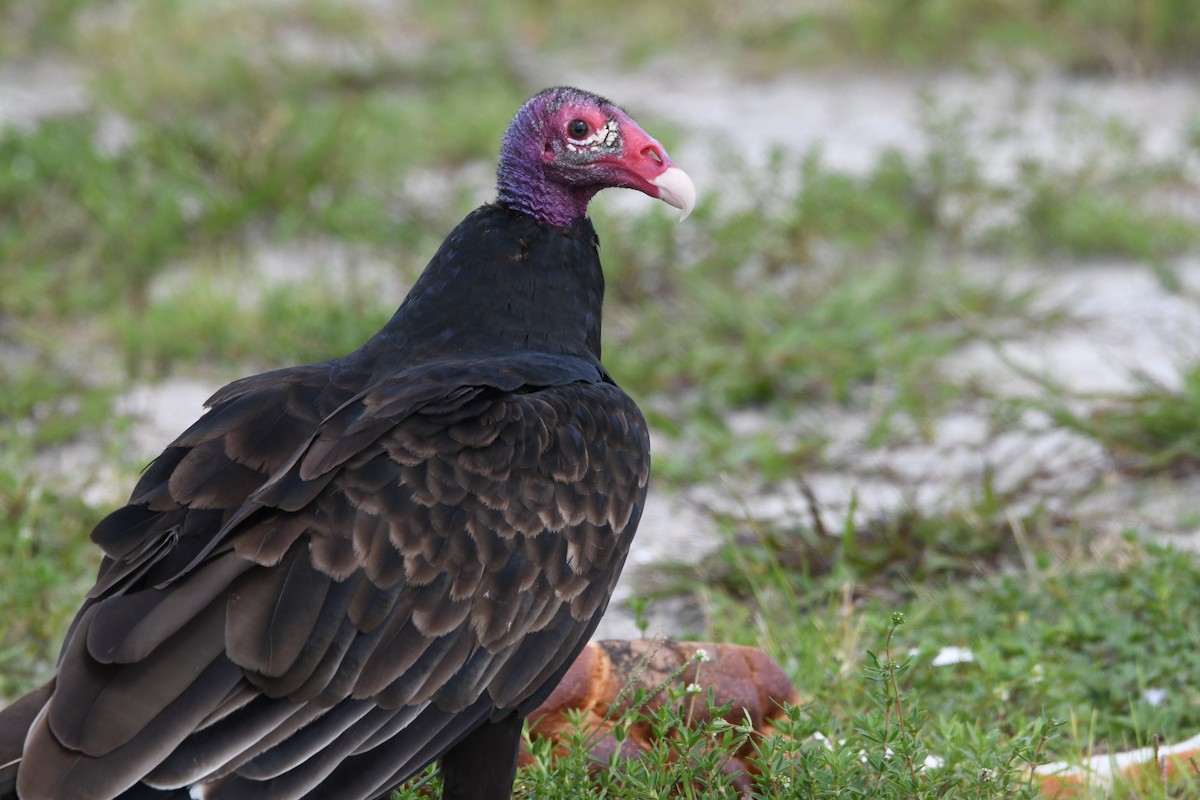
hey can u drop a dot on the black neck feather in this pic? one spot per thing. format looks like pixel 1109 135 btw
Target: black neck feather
pixel 503 282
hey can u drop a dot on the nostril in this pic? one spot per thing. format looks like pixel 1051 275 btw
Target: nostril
pixel 653 153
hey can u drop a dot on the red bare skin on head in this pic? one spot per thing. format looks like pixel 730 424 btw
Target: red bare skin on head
pixel 566 145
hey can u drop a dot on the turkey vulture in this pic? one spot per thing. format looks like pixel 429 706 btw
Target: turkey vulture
pixel 345 571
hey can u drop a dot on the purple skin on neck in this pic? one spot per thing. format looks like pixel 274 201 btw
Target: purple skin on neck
pixel 528 177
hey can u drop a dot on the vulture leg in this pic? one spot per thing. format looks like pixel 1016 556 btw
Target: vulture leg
pixel 483 765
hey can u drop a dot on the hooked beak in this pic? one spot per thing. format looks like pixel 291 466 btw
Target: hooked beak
pixel 675 188
pixel 647 168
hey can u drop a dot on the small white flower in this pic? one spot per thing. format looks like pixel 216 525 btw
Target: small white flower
pixel 1154 697
pixel 693 688
pixel 702 656
pixel 952 655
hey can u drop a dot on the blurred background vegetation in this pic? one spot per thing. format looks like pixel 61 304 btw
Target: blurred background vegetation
pixel 217 188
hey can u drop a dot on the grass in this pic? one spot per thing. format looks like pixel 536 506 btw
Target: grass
pixel 289 323
pixel 1151 432
pixel 45 544
pixel 881 751
pixel 1104 651
pixel 130 249
pixel 759 36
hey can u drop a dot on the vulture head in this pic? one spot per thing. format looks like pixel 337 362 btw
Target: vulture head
pixel 565 145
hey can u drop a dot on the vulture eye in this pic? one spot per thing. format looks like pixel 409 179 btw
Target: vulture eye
pixel 578 129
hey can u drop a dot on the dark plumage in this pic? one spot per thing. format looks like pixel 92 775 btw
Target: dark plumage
pixel 345 571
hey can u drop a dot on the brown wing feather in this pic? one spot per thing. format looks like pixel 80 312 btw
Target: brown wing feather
pixel 434 565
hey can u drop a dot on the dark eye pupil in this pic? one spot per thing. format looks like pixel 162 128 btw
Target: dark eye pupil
pixel 577 129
